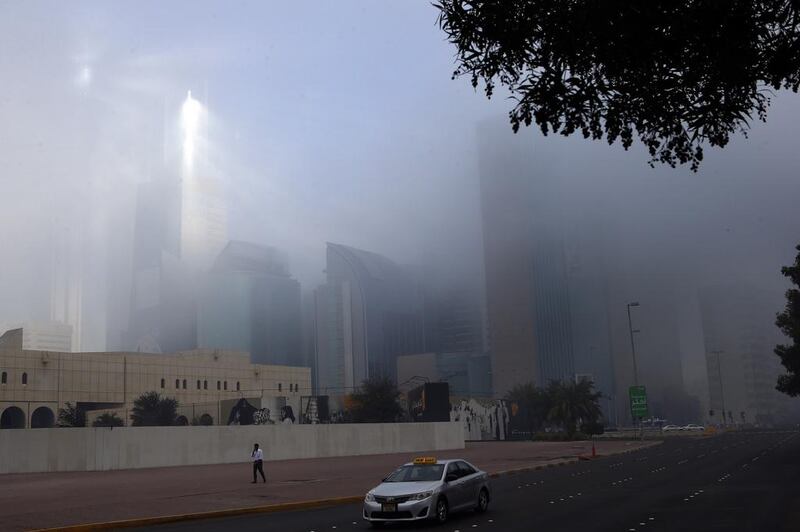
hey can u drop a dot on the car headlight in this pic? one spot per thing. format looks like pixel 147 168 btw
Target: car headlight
pixel 370 497
pixel 420 496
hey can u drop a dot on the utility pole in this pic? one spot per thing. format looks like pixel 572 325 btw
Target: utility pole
pixel 633 345
pixel 633 354
pixel 718 352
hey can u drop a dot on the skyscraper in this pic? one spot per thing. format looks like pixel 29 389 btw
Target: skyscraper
pixel 369 311
pixel 739 339
pixel 526 280
pixel 180 227
pixel 249 302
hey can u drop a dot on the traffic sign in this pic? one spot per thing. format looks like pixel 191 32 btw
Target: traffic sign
pixel 638 396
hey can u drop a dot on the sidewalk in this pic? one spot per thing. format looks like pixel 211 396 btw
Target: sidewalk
pixel 42 500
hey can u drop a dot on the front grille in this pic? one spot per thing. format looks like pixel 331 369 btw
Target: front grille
pixel 392 500
pixel 391 515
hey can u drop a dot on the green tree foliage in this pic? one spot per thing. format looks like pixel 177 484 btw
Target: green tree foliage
pixel 573 403
pixel 150 409
pixel 533 405
pixel 562 404
pixel 377 401
pixel 789 322
pixel 677 74
pixel 71 416
pixel 108 419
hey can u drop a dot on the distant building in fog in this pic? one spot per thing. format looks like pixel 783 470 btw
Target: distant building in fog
pixel 180 227
pixel 454 317
pixel 742 369
pixel 590 321
pixel 249 302
pixel 527 296
pixel 468 374
pixel 368 312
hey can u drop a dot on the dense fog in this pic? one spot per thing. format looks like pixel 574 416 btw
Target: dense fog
pixel 339 122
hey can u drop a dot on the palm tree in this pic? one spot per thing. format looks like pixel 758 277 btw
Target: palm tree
pixel 71 416
pixel 573 403
pixel 533 405
pixel 150 409
pixel 108 419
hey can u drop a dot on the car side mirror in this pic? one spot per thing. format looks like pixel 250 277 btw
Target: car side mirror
pixel 451 477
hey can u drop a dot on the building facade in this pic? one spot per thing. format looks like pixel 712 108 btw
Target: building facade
pixel 527 297
pixel 43 335
pixel 742 368
pixel 35 384
pixel 368 313
pixel 250 303
pixel 180 228
pixel 468 374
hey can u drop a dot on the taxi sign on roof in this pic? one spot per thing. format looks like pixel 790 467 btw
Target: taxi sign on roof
pixel 425 460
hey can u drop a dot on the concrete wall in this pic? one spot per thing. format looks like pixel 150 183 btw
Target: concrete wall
pixel 101 449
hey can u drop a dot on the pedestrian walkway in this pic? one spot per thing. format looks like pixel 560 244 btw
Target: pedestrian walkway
pixel 41 500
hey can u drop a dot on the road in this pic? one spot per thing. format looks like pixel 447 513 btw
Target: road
pixel 732 482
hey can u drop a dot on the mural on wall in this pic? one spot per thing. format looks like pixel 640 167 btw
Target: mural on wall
pixel 482 419
pixel 244 413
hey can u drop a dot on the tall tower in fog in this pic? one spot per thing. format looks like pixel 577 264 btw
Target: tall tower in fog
pixel 527 298
pixel 203 219
pixel 180 228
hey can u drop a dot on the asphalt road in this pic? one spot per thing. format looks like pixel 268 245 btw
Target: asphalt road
pixel 732 482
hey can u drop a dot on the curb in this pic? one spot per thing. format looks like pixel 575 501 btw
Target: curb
pixel 288 506
pixel 147 521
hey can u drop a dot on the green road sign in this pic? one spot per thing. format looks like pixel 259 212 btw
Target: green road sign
pixel 638 397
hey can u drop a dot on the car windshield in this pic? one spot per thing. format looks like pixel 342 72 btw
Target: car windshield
pixel 416 473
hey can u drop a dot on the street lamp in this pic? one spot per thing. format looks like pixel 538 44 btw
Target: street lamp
pixel 718 352
pixel 633 345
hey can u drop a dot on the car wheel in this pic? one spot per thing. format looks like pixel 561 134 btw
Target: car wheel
pixel 483 501
pixel 441 511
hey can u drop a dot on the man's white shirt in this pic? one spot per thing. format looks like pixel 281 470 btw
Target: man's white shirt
pixel 258 454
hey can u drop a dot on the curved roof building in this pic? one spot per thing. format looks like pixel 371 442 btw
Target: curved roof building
pixel 369 312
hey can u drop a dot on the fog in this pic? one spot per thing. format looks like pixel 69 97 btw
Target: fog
pixel 339 122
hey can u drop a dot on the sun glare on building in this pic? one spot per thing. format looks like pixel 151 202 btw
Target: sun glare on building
pixel 190 124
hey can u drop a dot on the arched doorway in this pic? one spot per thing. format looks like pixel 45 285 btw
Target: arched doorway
pixel 42 418
pixel 206 419
pixel 12 418
pixel 182 421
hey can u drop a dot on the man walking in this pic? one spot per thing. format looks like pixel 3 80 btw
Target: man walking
pixel 258 463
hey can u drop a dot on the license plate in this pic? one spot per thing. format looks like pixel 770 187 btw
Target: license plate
pixel 389 507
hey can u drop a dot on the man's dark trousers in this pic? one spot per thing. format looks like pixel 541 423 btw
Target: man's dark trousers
pixel 258 466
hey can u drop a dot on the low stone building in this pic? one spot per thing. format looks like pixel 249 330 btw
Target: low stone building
pixel 34 385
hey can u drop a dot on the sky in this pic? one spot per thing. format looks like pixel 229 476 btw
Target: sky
pixel 334 121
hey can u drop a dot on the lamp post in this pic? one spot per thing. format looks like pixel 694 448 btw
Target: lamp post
pixel 633 354
pixel 718 352
pixel 633 345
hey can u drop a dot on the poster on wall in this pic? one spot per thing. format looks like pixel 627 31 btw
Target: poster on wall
pixel 482 419
pixel 260 411
pixel 429 402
